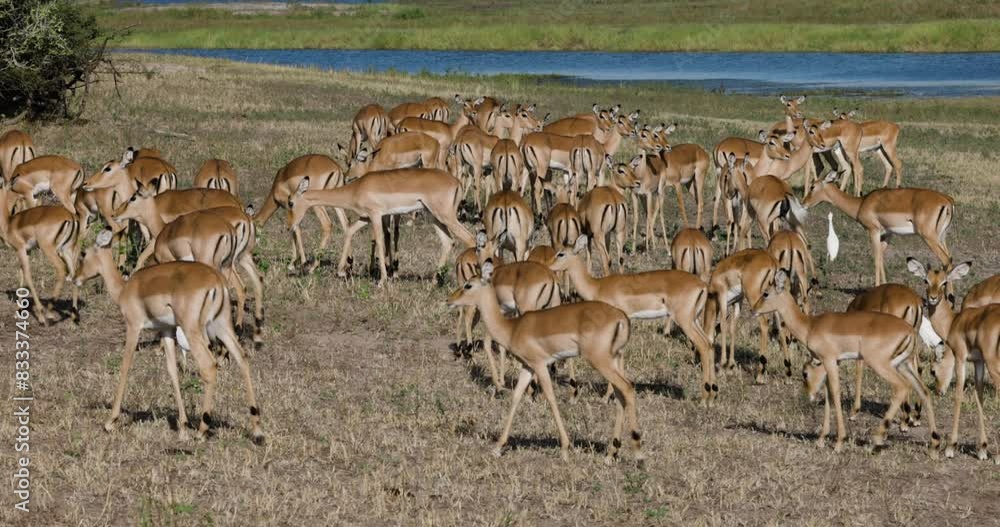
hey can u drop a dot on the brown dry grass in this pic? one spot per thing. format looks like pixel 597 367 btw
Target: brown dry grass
pixel 370 420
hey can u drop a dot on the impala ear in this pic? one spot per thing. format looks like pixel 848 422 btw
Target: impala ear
pixel 788 137
pixel 731 158
pixel 959 271
pixel 487 271
pixel 916 267
pixel 830 177
pixel 362 155
pixel 615 109
pixel 104 238
pixel 825 125
pixel 852 113
pixel 780 279
pixel 580 245
pixel 835 112
pixel 531 107
pixel 478 101
pixel 609 161
pixel 303 186
pixel 128 157
pixel 801 99
pixel 458 99
pixel 249 210
pixel 669 129
pixel 342 151
pixel 806 124
pixel 481 240
pixel 761 136
pixel 634 116
pixel 546 118
pixel 635 162
pixel 596 109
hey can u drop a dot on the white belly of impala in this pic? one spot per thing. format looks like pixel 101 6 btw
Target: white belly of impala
pixel 656 313
pixel 560 355
pixel 906 228
pixel 852 355
pixel 405 209
pixel 40 187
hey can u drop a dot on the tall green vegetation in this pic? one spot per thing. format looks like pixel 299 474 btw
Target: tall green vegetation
pixel 50 51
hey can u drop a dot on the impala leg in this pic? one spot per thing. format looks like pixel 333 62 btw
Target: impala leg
pixel 376 220
pixel 824 430
pixel 993 367
pixel 960 357
pixel 495 374
pixel 620 234
pixel 523 379
pixel 652 211
pixel 762 358
pixel 345 251
pixel 170 353
pixel 241 294
pixel 39 308
pixel 833 382
pixel 297 248
pixel 546 381
pixel 625 393
pixel 699 194
pixel 706 354
pixel 900 389
pixel 886 164
pixel 60 267
pixel 897 164
pixel 979 373
pixel 250 269
pixel 131 343
pixel 635 221
pixel 921 390
pixel 228 338
pixel 446 243
pixel 857 169
pixel 718 197
pixel 876 238
pixel 680 203
pixel 325 226
pixel 859 371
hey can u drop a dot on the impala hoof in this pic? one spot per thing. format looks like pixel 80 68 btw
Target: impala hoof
pixel 949 452
pixel 258 438
pixel 982 455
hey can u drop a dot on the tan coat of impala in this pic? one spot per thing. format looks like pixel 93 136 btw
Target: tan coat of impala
pixel 880 136
pixel 370 125
pixel 509 171
pixel 218 174
pixel 677 295
pixel 388 193
pixel 593 330
pixel 597 123
pixel 16 147
pixel 401 150
pixel 887 212
pixel 691 251
pixel 51 228
pixel 323 173
pixel 842 139
pixel 60 175
pixel 884 342
pixel 186 303
pixel 433 108
pixel 603 213
pixel 509 221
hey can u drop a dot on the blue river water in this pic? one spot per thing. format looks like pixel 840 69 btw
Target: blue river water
pixel 909 74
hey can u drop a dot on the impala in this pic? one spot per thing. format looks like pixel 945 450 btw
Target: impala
pixel 223 237
pixel 544 151
pixel 563 222
pixel 597 123
pixel 433 108
pixel 880 137
pixel 323 173
pixel 683 165
pixel 370 124
pixel 743 275
pixel 843 139
pixel 691 251
pixel 467 265
pixel 791 251
pixel 740 148
pixel 186 303
pixel 55 231
pixel 899 301
pixel 594 330
pixel 388 193
pixel 883 341
pixel 509 221
pixel 401 150
pixel 886 212
pixel 508 166
pixel 486 109
pixel 783 162
pixel 16 147
pixel 60 175
pixel 144 166
pixel 768 202
pixel 219 174
pixel 971 335
pixel 442 132
pixel 676 295
pixel 602 212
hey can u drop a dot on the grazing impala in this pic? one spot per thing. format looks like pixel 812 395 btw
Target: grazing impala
pixel 370 124
pixel 880 137
pixel 886 212
pixel 55 231
pixel 401 150
pixel 433 108
pixel 217 173
pixel 323 173
pixel 593 330
pixel 743 275
pixel 140 166
pixel 509 221
pixel 187 303
pixel 883 341
pixel 60 175
pixel 388 193
pixel 971 335
pixel 676 295
pixel 16 147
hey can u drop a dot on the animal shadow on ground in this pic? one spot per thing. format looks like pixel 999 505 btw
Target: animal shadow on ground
pixel 155 413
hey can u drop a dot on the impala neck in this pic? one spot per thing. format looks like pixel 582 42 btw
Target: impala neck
pixel 942 317
pixel 843 201
pixel 584 283
pixel 516 133
pixel 340 197
pixel 500 327
pixel 613 141
pixel 109 272
pixel 459 123
pixel 794 319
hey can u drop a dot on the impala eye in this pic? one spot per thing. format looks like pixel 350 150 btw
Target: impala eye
pixel 107 169
pixel 468 286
